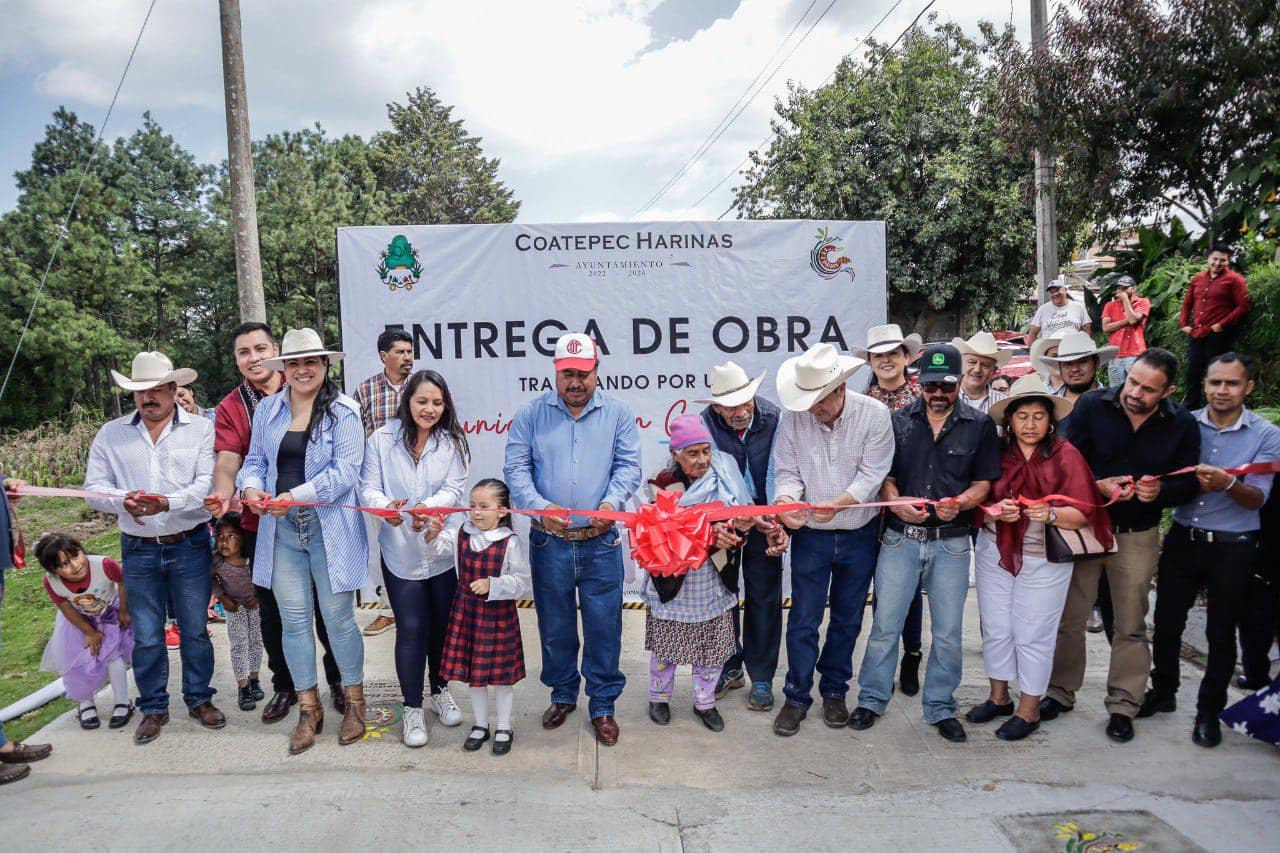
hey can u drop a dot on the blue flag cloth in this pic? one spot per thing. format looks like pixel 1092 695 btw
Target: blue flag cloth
pixel 1257 715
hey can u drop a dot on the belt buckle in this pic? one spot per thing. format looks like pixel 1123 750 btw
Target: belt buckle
pixel 912 531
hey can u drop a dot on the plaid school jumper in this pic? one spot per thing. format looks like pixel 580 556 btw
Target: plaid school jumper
pixel 483 646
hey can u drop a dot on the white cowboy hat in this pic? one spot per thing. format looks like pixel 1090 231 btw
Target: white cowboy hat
pixel 805 379
pixel 888 337
pixel 983 344
pixel 730 385
pixel 301 343
pixel 150 369
pixel 1073 346
pixel 1030 385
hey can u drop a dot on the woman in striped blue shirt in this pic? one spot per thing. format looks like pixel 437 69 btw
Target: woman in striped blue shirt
pixel 307 446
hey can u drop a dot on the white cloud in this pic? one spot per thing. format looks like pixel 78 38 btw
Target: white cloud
pixel 549 84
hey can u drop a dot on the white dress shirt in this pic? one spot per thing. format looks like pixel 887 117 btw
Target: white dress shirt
pixel 178 465
pixel 513 581
pixel 816 463
pixel 389 473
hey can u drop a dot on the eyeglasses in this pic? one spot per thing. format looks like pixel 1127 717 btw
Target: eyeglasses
pixel 935 387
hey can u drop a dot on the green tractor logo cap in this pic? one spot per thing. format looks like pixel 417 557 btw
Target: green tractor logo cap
pixel 939 359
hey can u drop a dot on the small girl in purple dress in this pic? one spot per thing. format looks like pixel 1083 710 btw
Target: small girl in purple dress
pixel 92 641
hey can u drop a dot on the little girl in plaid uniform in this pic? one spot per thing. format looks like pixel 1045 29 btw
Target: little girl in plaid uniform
pixel 483 647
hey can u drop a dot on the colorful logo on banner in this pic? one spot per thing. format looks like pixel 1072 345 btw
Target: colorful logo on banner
pixel 827 257
pixel 398 264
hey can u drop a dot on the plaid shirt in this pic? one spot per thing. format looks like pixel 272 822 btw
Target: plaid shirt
pixel 378 399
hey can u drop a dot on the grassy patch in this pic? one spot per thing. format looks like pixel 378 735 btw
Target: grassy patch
pixel 27 615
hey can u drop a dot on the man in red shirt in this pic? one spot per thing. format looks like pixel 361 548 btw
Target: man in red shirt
pixel 1213 309
pixel 1124 319
pixel 233 428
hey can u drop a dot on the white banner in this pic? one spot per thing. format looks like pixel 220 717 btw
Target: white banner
pixel 664 300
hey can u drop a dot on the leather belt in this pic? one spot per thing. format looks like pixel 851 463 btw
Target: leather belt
pixel 926 534
pixel 572 534
pixel 1217 537
pixel 171 538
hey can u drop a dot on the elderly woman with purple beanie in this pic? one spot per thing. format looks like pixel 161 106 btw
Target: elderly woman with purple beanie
pixel 689 619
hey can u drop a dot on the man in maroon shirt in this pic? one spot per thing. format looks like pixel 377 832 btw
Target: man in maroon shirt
pixel 232 428
pixel 1213 309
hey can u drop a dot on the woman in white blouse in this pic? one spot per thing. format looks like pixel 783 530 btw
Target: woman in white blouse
pixel 418 459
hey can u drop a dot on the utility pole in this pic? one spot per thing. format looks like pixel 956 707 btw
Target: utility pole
pixel 244 204
pixel 1046 196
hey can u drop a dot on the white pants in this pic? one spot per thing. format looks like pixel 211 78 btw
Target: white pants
pixel 1019 615
pixel 374 587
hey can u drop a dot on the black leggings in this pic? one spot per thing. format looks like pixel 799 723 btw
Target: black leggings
pixel 422 617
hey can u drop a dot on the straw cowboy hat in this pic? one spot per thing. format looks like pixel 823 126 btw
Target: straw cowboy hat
pixel 1038 348
pixel 983 344
pixel 1026 387
pixel 730 385
pixel 805 379
pixel 888 337
pixel 1073 346
pixel 150 369
pixel 301 343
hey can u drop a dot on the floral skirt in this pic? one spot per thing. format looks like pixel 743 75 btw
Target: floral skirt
pixel 707 643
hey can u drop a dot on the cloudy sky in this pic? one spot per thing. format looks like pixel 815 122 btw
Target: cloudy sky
pixel 592 106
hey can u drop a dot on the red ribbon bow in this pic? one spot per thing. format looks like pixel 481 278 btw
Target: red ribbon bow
pixel 668 539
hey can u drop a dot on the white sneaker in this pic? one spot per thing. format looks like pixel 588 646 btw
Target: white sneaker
pixel 446 709
pixel 415 728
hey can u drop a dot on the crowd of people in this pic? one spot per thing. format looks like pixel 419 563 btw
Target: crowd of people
pixel 1052 487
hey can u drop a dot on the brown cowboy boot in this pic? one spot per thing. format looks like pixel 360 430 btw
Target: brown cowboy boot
pixel 353 720
pixel 310 721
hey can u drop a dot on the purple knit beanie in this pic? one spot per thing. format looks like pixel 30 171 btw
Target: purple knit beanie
pixel 686 430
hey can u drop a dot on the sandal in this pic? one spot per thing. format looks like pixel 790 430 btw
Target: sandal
pixel 121 716
pixel 502 740
pixel 89 718
pixel 476 739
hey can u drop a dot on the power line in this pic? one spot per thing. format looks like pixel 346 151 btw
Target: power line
pixel 66 221
pixel 740 106
pixel 830 76
pixel 701 147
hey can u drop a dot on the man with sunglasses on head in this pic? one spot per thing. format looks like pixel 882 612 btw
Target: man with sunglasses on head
pixel 944 451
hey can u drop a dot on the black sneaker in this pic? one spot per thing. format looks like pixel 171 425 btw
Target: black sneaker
pixel 711 719
pixel 660 713
pixel 255 689
pixel 729 680
pixel 244 698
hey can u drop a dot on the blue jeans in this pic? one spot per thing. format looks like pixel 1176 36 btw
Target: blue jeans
pixel 943 566
pixel 835 564
pixel 300 579
pixel 913 628
pixel 154 575
pixel 593 570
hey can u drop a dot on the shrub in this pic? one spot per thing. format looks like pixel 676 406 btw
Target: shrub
pixel 53 454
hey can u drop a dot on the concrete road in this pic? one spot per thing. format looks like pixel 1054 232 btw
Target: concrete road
pixel 897 787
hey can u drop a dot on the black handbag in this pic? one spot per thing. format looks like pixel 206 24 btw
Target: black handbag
pixel 1068 546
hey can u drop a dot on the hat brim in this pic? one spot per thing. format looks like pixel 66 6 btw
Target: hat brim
pixel 181 376
pixel 585 364
pixel 277 363
pixel 1001 356
pixel 1061 405
pixel 797 400
pixel 938 376
pixel 912 342
pixel 1104 354
pixel 736 398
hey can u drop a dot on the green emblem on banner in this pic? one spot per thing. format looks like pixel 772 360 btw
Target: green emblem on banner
pixel 939 359
pixel 398 264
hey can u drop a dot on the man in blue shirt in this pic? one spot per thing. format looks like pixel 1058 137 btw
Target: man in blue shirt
pixel 1213 544
pixel 576 447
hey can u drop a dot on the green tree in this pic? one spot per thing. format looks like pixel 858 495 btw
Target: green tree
pixel 908 137
pixel 433 171
pixel 1150 104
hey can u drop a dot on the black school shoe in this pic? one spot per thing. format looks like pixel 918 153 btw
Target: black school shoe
pixel 951 730
pixel 476 739
pixel 1207 731
pixel 255 690
pixel 1120 728
pixel 660 713
pixel 244 698
pixel 502 745
pixel 121 716
pixel 1156 703
pixel 89 718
